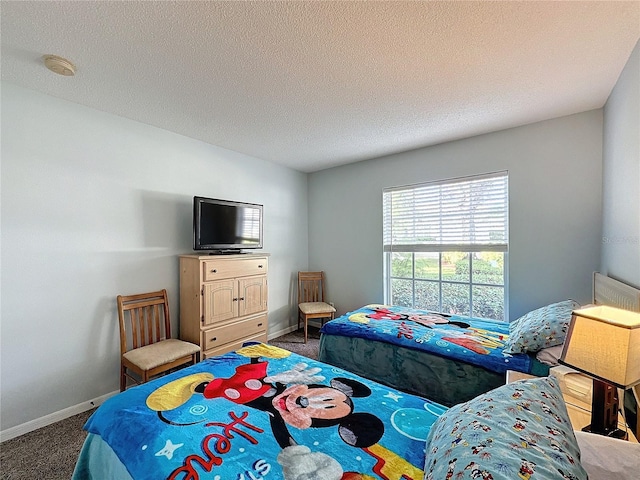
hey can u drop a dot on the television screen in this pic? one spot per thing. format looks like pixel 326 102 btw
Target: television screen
pixel 226 225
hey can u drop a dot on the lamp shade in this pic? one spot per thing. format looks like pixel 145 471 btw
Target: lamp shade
pixel 604 342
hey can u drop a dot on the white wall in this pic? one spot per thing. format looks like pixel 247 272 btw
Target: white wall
pixel 555 172
pixel 621 176
pixel 94 205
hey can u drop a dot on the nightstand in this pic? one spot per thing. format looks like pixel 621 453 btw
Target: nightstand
pixel 580 415
pixel 579 411
pixel 512 376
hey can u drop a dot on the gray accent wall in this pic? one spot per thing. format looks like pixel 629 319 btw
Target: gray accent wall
pixel 621 176
pixel 555 201
pixel 95 205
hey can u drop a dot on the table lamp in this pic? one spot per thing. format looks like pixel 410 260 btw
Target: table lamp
pixel 604 343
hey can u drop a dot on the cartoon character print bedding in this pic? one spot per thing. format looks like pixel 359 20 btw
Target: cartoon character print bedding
pixel 476 341
pixel 266 413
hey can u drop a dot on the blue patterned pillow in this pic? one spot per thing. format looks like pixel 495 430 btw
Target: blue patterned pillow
pixel 541 328
pixel 517 431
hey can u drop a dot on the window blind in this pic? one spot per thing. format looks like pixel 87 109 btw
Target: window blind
pixel 453 215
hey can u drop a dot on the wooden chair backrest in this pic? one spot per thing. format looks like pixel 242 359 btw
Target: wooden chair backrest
pixel 144 319
pixel 310 287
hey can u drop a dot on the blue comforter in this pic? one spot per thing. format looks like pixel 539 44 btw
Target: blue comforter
pixel 264 412
pixel 471 340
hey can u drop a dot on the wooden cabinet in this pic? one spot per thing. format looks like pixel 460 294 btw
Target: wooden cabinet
pixel 223 301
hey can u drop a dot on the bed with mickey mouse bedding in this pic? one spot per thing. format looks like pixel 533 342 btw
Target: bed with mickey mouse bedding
pixel 258 413
pixel 264 413
pixel 446 358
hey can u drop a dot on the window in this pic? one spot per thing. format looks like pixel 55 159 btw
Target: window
pixel 446 244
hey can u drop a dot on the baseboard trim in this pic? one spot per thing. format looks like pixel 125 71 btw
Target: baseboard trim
pixel 293 328
pixel 281 332
pixel 54 417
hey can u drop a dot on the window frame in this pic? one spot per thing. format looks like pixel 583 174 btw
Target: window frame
pixel 440 248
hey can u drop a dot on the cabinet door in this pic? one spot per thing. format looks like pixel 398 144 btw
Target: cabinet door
pixel 220 301
pixel 253 295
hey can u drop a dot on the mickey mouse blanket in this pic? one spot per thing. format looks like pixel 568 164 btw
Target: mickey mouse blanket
pixel 261 413
pixel 478 341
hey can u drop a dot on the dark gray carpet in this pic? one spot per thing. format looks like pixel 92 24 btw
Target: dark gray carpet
pixel 47 453
pixel 294 342
pixel 50 453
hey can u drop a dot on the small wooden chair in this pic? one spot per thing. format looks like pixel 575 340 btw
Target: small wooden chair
pixel 311 301
pixel 146 346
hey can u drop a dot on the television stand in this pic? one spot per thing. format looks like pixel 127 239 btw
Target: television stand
pixel 223 301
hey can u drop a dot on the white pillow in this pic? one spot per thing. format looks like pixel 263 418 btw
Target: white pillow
pixel 550 355
pixel 606 458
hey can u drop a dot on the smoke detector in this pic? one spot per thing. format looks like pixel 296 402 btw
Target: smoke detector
pixel 59 65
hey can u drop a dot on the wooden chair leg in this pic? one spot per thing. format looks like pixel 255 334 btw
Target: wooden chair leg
pixel 123 379
pixel 306 324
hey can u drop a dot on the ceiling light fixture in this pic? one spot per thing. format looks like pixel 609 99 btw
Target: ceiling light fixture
pixel 59 65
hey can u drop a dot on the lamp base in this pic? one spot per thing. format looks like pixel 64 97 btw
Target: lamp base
pixel 604 411
pixel 616 433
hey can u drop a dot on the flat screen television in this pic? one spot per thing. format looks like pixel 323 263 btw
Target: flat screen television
pixel 225 226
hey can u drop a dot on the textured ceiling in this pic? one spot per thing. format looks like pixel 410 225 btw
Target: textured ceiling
pixel 311 85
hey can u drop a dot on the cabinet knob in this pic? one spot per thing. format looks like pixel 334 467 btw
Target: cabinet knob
pixel 235 299
pixel 259 266
pixel 214 271
pixel 260 324
pixel 241 298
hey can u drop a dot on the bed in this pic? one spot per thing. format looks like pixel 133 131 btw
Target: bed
pixel 266 413
pixel 449 359
pixel 452 359
pixel 259 412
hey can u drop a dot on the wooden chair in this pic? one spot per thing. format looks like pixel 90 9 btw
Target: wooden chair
pixel 311 301
pixel 146 346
